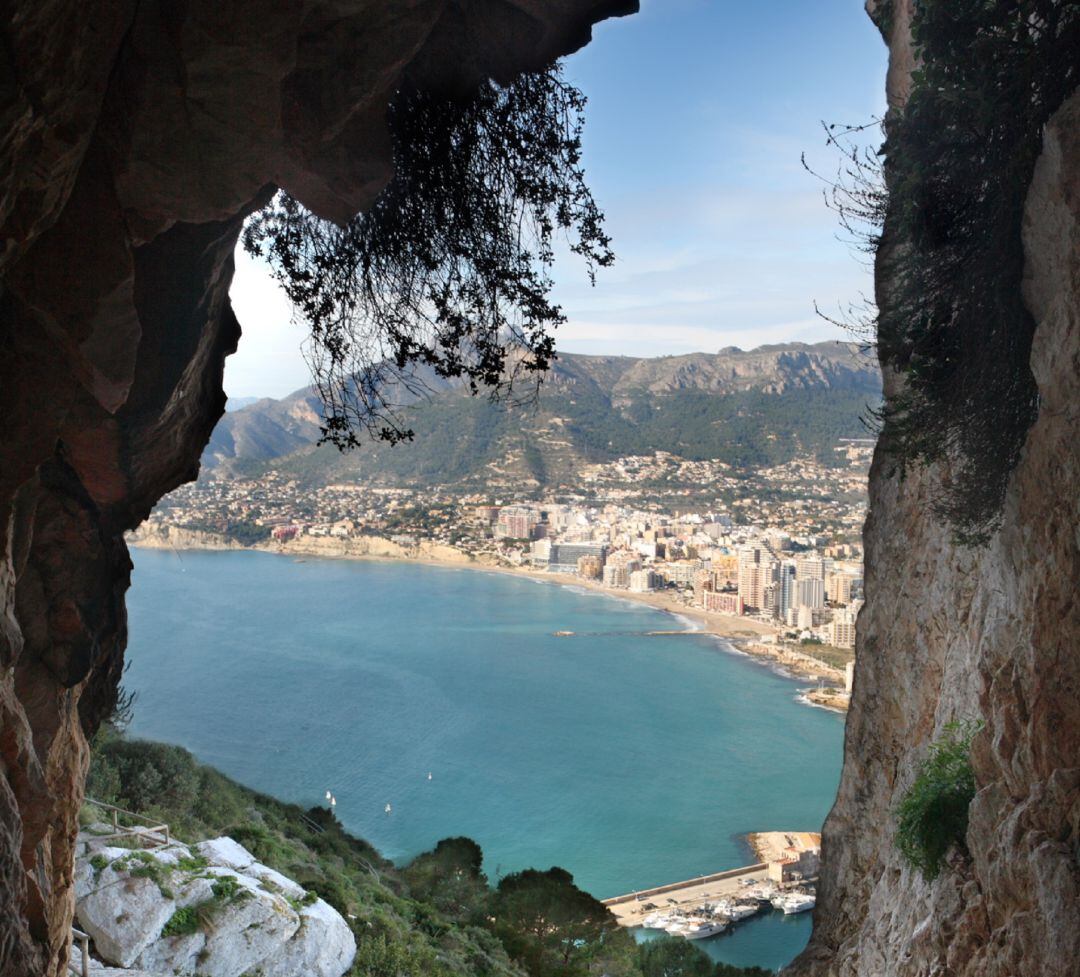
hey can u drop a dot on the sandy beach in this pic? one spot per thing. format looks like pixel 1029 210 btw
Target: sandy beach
pixel 745 634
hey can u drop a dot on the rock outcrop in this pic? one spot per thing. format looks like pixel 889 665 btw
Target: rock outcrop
pixel 239 916
pixel 134 139
pixel 949 633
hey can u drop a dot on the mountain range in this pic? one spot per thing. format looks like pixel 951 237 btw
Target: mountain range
pixel 745 408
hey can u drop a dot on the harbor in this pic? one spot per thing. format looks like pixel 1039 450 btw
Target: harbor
pixel 709 905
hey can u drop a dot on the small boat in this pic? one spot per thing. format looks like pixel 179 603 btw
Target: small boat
pixel 794 902
pixel 739 911
pixel 388 809
pixel 705 929
pixel 563 634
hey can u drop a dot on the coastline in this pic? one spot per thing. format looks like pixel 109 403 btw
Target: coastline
pixel 744 635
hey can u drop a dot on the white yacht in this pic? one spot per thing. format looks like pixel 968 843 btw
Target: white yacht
pixel 705 928
pixel 795 902
pixel 739 911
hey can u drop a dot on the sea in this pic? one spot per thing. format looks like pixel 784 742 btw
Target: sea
pixel 630 759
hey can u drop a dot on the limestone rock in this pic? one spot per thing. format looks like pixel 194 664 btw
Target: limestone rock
pixel 324 947
pixel 225 852
pixel 244 916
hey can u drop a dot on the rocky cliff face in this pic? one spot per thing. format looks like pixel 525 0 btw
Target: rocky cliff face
pixel 135 135
pixel 950 633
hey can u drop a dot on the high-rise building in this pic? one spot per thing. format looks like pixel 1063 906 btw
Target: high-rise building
pixel 785 589
pixel 642 581
pixel 757 572
pixel 810 592
pixel 811 566
pixel 841 587
pixel 616 576
pixel 515 522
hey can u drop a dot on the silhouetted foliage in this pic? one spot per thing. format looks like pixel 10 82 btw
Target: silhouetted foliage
pixel 857 194
pixel 959 160
pixel 449 269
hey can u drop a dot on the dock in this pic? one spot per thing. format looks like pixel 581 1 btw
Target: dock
pixel 790 862
pixel 630 909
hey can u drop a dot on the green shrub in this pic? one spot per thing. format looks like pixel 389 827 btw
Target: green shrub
pixel 183 922
pixel 99 863
pixel 933 814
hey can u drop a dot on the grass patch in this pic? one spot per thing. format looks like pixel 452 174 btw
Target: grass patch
pixel 98 863
pixel 932 817
pixel 298 903
pixel 184 922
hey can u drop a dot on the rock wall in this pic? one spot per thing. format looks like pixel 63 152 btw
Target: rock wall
pixel 949 633
pixel 135 136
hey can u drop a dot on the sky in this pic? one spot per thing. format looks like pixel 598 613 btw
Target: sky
pixel 699 111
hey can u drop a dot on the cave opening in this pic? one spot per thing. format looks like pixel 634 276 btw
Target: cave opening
pixel 400 702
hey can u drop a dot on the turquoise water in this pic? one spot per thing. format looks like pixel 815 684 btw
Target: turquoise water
pixel 630 760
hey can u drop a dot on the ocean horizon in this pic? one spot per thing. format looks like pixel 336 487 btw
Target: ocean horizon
pixel 629 759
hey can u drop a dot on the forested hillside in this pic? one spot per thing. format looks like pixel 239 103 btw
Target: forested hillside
pixel 748 409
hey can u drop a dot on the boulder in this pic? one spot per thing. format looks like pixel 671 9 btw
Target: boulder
pixel 236 914
pixel 226 852
pixel 324 946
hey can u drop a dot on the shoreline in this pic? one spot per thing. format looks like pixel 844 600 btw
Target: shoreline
pixel 742 634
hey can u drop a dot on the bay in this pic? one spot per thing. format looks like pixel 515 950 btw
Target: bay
pixel 629 759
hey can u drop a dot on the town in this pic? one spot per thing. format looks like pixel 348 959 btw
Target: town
pixel 770 559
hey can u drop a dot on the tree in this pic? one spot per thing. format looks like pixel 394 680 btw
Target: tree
pixel 447 275
pixel 551 927
pixel 451 878
pixel 673 957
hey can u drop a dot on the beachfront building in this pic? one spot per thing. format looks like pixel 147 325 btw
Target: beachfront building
pixel 590 567
pixel 563 557
pixel 642 581
pixel 726 603
pixel 758 570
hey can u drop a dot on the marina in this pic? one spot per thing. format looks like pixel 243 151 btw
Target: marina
pixel 708 905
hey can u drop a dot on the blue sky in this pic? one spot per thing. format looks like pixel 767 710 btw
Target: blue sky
pixel 698 113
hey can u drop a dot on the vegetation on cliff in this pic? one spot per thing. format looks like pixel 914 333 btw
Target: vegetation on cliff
pixel 932 817
pixel 436 917
pixel 959 159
